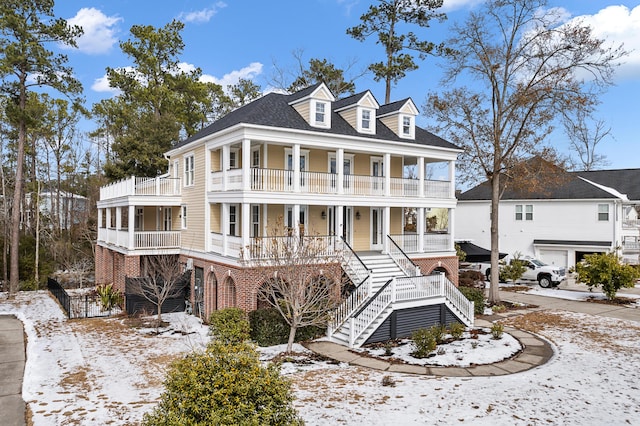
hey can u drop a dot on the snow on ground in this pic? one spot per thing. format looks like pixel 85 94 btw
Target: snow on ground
pixel 103 371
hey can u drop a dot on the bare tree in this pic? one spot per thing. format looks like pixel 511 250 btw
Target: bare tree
pixel 164 281
pixel 528 68
pixel 584 138
pixel 296 270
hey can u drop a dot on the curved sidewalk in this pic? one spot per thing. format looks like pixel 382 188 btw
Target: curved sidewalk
pixel 12 359
pixel 536 350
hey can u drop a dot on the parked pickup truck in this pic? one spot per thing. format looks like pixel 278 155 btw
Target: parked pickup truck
pixel 536 270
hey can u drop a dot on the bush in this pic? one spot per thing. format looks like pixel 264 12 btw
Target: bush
pixel 268 328
pixel 607 271
pixel 229 325
pixel 456 330
pixel 225 385
pixel 496 330
pixel 476 296
pixel 425 342
pixel 109 297
pixel 438 331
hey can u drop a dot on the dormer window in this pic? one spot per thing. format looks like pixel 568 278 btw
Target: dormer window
pixel 321 115
pixel 366 119
pixel 406 126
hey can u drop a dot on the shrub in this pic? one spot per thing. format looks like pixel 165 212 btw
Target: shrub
pixel 496 330
pixel 425 342
pixel 229 325
pixel 268 328
pixel 607 271
pixel 456 330
pixel 224 385
pixel 109 297
pixel 438 331
pixel 476 296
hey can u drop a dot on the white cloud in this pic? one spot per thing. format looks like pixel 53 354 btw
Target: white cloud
pixel 248 73
pixel 99 30
pixel 101 84
pixel 449 5
pixel 619 24
pixel 204 15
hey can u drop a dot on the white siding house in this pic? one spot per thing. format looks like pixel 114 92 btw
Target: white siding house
pixel 588 212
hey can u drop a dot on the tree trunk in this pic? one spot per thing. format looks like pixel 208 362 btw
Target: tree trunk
pixel 494 293
pixel 292 337
pixel 14 268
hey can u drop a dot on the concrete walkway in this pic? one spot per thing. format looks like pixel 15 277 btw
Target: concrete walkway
pixel 536 350
pixel 12 359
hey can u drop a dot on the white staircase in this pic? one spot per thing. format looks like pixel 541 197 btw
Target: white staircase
pixel 382 268
pixel 386 288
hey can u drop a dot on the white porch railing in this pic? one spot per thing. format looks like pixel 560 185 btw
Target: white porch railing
pixel 157 186
pixel 265 248
pixel 437 242
pixel 141 239
pixel 409 289
pixel 275 180
pixel 156 239
pixel 631 223
pixel 401 259
pixel 630 245
pixel 233 248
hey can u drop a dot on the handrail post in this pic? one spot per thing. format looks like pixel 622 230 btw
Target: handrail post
pixel 393 289
pixel 351 333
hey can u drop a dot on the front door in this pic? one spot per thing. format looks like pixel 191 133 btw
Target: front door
pixel 376 229
pixel 290 221
pixel 347 218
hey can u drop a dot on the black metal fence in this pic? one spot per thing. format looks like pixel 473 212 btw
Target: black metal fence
pixel 137 304
pixel 79 305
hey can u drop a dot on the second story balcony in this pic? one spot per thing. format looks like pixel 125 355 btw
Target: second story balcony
pixel 141 186
pixel 274 180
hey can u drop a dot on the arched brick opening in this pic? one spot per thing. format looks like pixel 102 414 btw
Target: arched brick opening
pixel 211 294
pixel 229 298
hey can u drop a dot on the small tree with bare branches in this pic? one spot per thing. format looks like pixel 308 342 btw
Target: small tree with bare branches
pixel 293 268
pixel 165 280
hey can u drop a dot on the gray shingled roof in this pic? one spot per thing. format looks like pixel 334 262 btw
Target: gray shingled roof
pixel 273 110
pixel 573 188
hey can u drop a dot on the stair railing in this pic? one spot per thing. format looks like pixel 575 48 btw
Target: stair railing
pixel 371 310
pixel 352 264
pixel 409 268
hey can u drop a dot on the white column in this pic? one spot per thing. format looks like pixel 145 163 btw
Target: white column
pixel 132 225
pixel 421 175
pixel 385 229
pixel 225 166
pixel 108 224
pixel 387 174
pixel 340 169
pixel 100 218
pixel 452 179
pixel 246 165
pixel 452 228
pixel 265 212
pixel 295 217
pixel 296 168
pixel 339 220
pixel 420 229
pixel 225 227
pixel 246 223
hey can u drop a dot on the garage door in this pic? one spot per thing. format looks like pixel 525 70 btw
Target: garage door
pixel 554 257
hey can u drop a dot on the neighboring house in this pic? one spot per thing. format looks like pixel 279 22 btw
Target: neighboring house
pixel 334 168
pixel 72 210
pixel 586 212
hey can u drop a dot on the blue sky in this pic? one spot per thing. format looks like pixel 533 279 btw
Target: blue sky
pixel 234 39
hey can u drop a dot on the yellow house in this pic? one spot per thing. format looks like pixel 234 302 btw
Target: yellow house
pixel 362 176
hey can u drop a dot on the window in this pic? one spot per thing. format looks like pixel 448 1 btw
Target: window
pixel 255 221
pixel 320 112
pixel 366 119
pixel 233 159
pixel 524 212
pixel 255 158
pixel 189 168
pixel 183 217
pixel 603 212
pixel 139 219
pixel 233 220
pixel 528 212
pixel 406 126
